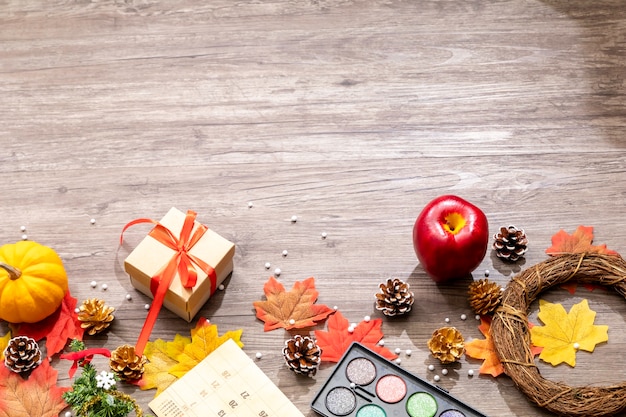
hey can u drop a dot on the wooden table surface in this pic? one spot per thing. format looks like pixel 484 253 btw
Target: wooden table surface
pixel 351 115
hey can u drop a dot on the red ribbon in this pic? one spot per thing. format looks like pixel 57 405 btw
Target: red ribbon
pixel 182 262
pixel 84 356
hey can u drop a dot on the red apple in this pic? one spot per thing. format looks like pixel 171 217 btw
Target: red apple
pixel 450 238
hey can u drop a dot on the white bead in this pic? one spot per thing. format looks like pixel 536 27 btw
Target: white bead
pixel 23 228
pixel 93 284
pixel 285 253
pixel 408 352
pixel 324 235
pixel 444 371
pixel 335 308
pixel 436 378
pixel 259 355
pixel 267 265
pixel 147 306
pixel 463 317
pixel 367 319
pixel 277 271
pixel 352 385
pixel 576 345
pixel 77 310
pixel 129 297
pixel 381 342
pixel 477 316
pixel 250 205
pixel 486 272
pixel 350 329
pixel 105 287
pixel 24 237
pixel 447 320
pixel 221 287
pixel 470 372
pixel 398 350
pixel 93 221
pixel 431 367
pixel 292 321
pixel 398 361
pixel 68 414
pixel 294 218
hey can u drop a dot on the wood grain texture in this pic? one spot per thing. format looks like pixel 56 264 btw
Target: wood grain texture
pixel 349 114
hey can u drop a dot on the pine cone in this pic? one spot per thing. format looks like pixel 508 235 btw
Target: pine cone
pixel 95 315
pixel 22 354
pixel 447 344
pixel 394 297
pixel 484 296
pixel 302 355
pixel 126 364
pixel 510 243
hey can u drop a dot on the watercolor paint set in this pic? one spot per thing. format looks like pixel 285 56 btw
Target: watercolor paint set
pixel 364 384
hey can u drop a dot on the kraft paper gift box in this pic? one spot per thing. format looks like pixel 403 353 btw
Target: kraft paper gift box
pixel 150 256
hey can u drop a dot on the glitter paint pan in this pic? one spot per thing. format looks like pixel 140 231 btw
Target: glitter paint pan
pixel 364 384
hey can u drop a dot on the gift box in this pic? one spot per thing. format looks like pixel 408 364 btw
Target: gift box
pixel 150 257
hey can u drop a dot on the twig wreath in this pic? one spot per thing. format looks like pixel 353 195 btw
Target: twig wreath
pixel 511 335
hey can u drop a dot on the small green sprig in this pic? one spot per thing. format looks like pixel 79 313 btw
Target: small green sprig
pixel 96 395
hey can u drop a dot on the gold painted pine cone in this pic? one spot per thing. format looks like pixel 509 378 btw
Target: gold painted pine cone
pixel 447 344
pixel 395 297
pixel 484 296
pixel 126 364
pixel 302 355
pixel 22 354
pixel 95 316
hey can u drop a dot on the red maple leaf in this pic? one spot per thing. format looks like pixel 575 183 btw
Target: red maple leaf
pixel 57 329
pixel 578 242
pixel 38 395
pixel 571 286
pixel 294 309
pixel 338 338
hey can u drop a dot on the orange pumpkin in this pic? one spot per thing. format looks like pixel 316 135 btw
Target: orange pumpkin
pixel 33 282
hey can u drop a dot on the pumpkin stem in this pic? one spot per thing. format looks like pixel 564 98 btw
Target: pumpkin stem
pixel 14 273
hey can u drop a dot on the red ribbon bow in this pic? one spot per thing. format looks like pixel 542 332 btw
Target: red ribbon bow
pixel 182 262
pixel 84 357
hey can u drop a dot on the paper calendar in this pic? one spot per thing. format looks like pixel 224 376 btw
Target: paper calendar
pixel 227 383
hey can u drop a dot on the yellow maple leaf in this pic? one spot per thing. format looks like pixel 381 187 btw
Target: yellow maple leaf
pixel 564 333
pixel 168 361
pixel 162 357
pixel 204 340
pixel 4 341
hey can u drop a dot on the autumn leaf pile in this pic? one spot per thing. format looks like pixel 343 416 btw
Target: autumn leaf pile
pixel 39 395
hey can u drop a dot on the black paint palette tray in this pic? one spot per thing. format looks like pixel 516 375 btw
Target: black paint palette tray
pixel 364 384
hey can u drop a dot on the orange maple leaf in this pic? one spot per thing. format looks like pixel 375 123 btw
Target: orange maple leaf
pixel 485 349
pixel 295 309
pixel 339 337
pixel 38 395
pixel 57 329
pixel 578 242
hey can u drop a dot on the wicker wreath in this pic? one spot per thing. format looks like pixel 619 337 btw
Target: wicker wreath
pixel 511 335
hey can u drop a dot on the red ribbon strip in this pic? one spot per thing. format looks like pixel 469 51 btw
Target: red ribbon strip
pixel 83 355
pixel 182 261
